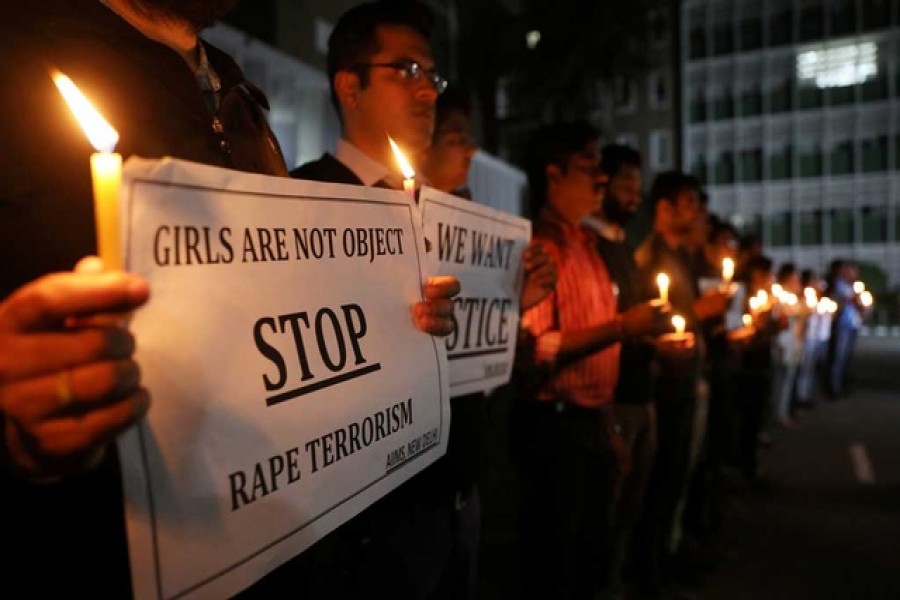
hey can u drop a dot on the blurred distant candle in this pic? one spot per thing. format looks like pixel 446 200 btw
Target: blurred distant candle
pixel 747 320
pixel 727 270
pixel 679 324
pixel 858 287
pixel 409 174
pixel 662 280
pixel 106 170
pixel 866 298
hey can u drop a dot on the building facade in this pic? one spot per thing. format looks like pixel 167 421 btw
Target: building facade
pixel 791 112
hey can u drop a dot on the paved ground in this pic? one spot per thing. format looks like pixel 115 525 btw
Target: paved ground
pixel 825 525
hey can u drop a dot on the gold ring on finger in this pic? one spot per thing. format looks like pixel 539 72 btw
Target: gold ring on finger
pixel 64 388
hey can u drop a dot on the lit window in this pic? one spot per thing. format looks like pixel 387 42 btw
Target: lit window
pixel 840 66
pixel 660 149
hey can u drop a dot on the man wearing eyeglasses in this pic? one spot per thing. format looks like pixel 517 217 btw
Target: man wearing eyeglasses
pixel 384 83
pixel 571 442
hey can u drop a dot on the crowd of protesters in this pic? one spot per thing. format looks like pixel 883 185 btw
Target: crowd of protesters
pixel 665 422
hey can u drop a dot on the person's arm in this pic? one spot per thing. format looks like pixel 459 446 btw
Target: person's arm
pixel 540 275
pixel 68 381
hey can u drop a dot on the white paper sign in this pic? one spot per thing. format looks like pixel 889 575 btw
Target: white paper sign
pixel 483 248
pixel 290 387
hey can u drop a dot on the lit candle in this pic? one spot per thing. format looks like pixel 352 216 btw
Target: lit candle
pixel 409 174
pixel 747 319
pixel 727 270
pixel 106 170
pixel 778 292
pixel 662 280
pixel 678 323
pixel 866 299
pixel 811 298
pixel 858 287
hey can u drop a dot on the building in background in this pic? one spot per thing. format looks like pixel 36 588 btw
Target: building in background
pixel 792 116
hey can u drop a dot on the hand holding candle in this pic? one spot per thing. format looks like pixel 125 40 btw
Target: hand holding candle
pixel 106 170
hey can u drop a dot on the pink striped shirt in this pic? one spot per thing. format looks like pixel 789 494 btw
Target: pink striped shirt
pixel 583 298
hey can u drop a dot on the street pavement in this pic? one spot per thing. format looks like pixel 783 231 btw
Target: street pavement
pixel 823 523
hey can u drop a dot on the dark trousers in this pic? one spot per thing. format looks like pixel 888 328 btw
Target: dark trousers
pixel 638 423
pixel 566 501
pixel 754 389
pixel 668 481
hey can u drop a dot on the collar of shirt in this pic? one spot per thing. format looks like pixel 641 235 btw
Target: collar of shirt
pixel 610 231
pixel 552 217
pixel 368 170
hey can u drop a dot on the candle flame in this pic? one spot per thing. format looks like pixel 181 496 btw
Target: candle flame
pixel 678 323
pixel 748 320
pixel 99 132
pixel 859 287
pixel 727 269
pixel 662 280
pixel 866 298
pixel 405 167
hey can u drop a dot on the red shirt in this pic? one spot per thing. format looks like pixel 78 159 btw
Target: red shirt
pixel 583 298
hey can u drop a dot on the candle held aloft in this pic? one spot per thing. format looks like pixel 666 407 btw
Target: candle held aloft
pixel 662 281
pixel 106 170
pixel 409 174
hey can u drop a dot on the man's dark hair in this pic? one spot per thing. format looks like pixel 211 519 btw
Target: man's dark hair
pixel 616 156
pixel 453 100
pixel 668 185
pixel 750 241
pixel 354 39
pixel 719 227
pixel 786 270
pixel 760 263
pixel 553 145
pixel 806 277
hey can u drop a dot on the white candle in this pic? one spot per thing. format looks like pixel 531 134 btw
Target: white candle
pixel 106 170
pixel 409 174
pixel 662 280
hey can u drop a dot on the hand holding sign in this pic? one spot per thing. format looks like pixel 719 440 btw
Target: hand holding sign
pixel 434 315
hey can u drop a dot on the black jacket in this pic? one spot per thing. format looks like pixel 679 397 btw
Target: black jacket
pixel 68 538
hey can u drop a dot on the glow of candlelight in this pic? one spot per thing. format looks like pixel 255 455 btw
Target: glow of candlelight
pixel 662 280
pixel 409 174
pixel 727 269
pixel 679 324
pixel 755 303
pixel 866 298
pixel 858 287
pixel 777 291
pixel 811 298
pixel 106 170
pixel 747 319
pixel 99 132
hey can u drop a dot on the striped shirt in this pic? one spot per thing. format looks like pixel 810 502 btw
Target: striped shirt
pixel 583 298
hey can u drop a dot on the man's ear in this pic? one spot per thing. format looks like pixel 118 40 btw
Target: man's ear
pixel 347 88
